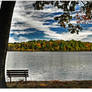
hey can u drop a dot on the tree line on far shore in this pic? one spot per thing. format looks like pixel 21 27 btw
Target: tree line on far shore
pixel 51 45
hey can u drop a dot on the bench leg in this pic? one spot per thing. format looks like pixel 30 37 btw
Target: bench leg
pixel 10 79
pixel 25 78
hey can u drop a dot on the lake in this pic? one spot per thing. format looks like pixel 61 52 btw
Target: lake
pixel 52 65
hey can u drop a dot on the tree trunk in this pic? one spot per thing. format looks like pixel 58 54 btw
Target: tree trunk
pixel 6 12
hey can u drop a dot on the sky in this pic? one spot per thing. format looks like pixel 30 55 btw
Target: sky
pixel 29 24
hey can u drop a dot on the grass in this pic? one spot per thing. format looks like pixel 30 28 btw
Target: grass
pixel 50 84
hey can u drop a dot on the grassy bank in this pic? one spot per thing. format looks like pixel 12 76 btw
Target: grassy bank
pixel 50 84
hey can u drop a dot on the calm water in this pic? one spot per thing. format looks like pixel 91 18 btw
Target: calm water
pixel 52 65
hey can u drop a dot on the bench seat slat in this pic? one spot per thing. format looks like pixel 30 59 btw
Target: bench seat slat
pixel 16 72
pixel 16 75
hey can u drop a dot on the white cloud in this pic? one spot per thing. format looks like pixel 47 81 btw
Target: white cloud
pixel 73 21
pixel 30 21
pixel 23 39
pixel 34 20
pixel 69 36
pixel 20 39
pixel 21 32
pixel 12 40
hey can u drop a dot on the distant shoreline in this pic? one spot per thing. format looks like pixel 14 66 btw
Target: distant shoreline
pixel 49 51
pixel 51 46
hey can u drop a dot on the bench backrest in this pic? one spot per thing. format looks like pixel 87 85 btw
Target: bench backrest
pixel 17 73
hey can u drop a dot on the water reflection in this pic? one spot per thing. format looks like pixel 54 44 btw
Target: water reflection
pixel 52 65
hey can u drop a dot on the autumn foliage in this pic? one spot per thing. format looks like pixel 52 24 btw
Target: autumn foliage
pixel 51 45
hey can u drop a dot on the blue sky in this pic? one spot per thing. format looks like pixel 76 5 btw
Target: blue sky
pixel 29 24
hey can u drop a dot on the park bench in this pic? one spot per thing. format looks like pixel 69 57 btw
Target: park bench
pixel 17 73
